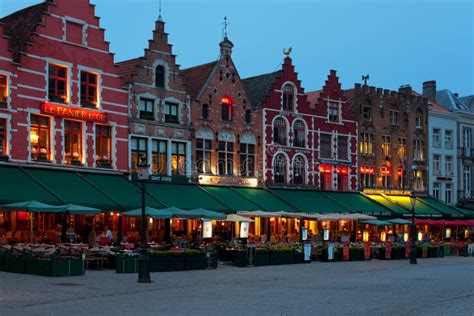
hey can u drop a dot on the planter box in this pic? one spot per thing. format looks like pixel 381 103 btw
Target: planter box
pixel 37 266
pixel 299 258
pixel 398 253
pixel 434 252
pixel 195 262
pixel 262 258
pixel 282 258
pixel 126 264
pixel 67 267
pixel 167 263
pixel 357 254
pixel 241 259
pixel 15 264
pixel 2 262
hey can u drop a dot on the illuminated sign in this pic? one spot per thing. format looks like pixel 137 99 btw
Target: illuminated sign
pixel 387 192
pixel 206 229
pixel 218 180
pixel 73 113
pixel 227 100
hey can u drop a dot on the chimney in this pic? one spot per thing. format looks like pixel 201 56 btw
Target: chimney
pixel 429 90
pixel 405 89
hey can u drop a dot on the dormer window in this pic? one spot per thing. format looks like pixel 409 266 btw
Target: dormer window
pixel 333 112
pixel 57 83
pixel 288 97
pixel 160 76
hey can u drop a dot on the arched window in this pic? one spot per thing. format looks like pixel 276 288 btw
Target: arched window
pixel 298 170
pixel 205 111
pixel 279 131
pixel 279 169
pixel 288 97
pixel 299 134
pixel 248 117
pixel 160 76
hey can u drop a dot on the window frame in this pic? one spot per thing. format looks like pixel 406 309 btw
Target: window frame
pixel 4 95
pixel 280 165
pixel 157 155
pixel 394 118
pixel 180 157
pixel 386 145
pixel 204 155
pixel 71 132
pixel 346 156
pixel 205 111
pixel 280 131
pixel 4 137
pixel 367 112
pixel 87 85
pixel 247 160
pixel 53 76
pixel 436 164
pixel 288 97
pixel 334 117
pixel 41 127
pixel 138 152
pixel 161 83
pixel 329 149
pixel 436 139
pixel 226 112
pixel 299 127
pixel 299 163
pixel 103 133
pixel 144 111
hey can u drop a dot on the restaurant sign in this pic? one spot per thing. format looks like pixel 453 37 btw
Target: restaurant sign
pixel 73 112
pixel 228 181
pixel 387 192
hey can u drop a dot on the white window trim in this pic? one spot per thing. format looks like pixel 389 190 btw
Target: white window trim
pixel 95 71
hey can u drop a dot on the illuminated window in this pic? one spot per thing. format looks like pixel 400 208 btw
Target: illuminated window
pixel 225 158
pixel 203 155
pixel 325 173
pixel 333 112
pixel 342 148
pixel 419 180
pixel 57 83
pixel 299 134
pixel 366 144
pixel 279 131
pixel 279 169
pixel 160 76
pixel 299 176
pixel 178 158
pixel 248 117
pixel 103 146
pixel 88 89
pixel 3 137
pixel 205 111
pixel 247 160
pixel 159 157
pixel 171 113
pixel 139 151
pixel 3 91
pixel 40 138
pixel 386 146
pixel 367 177
pixel 288 97
pixel 146 108
pixel 325 146
pixel 402 147
pixel 73 142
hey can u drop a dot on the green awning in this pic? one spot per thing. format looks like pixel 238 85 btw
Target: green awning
pixel 440 206
pixel 232 198
pixel 421 209
pixel 123 192
pixel 468 212
pixel 358 203
pixel 398 221
pixel 185 196
pixel 395 208
pixel 377 222
pixel 267 200
pixel 71 188
pixel 17 186
pixel 311 201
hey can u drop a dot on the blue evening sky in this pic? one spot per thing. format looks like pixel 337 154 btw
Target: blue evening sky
pixel 396 41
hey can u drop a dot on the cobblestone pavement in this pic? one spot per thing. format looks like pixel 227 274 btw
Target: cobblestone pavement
pixel 443 286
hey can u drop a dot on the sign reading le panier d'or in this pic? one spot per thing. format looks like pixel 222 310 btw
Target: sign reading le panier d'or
pixel 74 113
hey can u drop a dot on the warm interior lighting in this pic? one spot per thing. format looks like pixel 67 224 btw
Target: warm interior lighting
pixel 383 236
pixel 227 100
pixel 466 233
pixel 365 236
pixel 111 213
pixel 448 232
pixel 34 136
pixel 420 236
pixel 150 220
pixel 405 237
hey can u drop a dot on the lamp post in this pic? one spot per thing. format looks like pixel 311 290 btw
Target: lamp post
pixel 144 260
pixel 413 230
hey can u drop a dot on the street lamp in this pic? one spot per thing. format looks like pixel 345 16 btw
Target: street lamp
pixel 413 230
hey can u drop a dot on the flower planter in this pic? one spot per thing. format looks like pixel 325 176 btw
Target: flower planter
pixel 434 252
pixel 241 259
pixel 67 267
pixel 357 254
pixel 167 263
pixel 195 262
pixel 37 266
pixel 2 262
pixel 283 257
pixel 398 253
pixel 262 258
pixel 447 250
pixel 126 264
pixel 15 264
pixel 299 258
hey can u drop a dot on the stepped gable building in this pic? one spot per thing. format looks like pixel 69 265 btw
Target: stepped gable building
pixel 286 126
pixel 335 136
pixel 393 137
pixel 159 112
pixel 63 102
pixel 225 136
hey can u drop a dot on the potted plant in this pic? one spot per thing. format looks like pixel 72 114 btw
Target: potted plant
pixel 281 255
pixel 162 260
pixel 195 259
pixel 357 253
pixel 262 257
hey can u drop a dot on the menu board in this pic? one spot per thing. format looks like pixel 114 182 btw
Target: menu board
pixel 207 229
pixel 244 230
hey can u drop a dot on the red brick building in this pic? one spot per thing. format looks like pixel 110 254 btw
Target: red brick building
pixel 335 133
pixel 225 136
pixel 160 116
pixel 65 103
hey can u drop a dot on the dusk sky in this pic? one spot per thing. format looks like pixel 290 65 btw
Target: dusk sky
pixel 396 42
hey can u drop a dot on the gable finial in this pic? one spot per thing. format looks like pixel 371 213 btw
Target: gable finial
pixel 365 78
pixel 224 29
pixel 287 52
pixel 160 18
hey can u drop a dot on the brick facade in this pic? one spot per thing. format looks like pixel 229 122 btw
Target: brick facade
pixel 393 131
pixel 50 39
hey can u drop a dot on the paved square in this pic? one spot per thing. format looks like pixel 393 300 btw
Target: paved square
pixel 443 286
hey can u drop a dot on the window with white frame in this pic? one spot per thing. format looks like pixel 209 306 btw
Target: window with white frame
pixel 436 137
pixel 448 138
pixel 467 182
pixel 159 156
pixel 419 180
pixel 419 120
pixel 342 148
pixel 3 137
pixel 448 193
pixel 418 150
pixel 247 160
pixel 146 109
pixel 279 169
pixel 325 146
pixel 89 89
pixel 394 117
pixel 333 112
pixel 448 165
pixel 3 91
pixel 436 190
pixel 57 83
pixel 467 142
pixel 226 158
pixel 299 170
pixel 299 134
pixel 288 97
pixel 279 131
pixel 436 164
pixel 203 155
pixel 366 144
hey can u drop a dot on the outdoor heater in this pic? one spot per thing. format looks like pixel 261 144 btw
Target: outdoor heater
pixel 413 230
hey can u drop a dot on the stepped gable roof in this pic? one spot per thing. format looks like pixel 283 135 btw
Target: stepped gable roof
pixel 258 87
pixel 313 96
pixel 195 77
pixel 19 26
pixel 127 68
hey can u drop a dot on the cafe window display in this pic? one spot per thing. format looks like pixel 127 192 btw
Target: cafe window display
pixel 73 142
pixel 139 153
pixel 103 146
pixel 159 157
pixel 3 91
pixel 40 138
pixel 178 158
pixel 3 137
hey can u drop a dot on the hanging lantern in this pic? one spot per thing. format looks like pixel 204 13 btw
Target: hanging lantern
pixel 365 236
pixel 420 236
pixel 466 233
pixel 448 232
pixel 383 236
pixel 405 237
